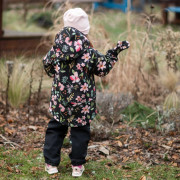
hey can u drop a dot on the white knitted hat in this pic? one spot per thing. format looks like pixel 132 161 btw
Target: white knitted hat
pixel 78 19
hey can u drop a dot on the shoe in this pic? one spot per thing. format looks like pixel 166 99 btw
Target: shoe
pixel 51 169
pixel 77 170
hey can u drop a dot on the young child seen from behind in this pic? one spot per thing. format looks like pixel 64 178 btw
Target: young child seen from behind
pixel 73 62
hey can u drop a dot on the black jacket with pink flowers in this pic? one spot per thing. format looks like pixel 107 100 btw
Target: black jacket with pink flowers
pixel 73 63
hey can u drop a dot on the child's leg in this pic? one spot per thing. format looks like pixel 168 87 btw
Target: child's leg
pixel 80 138
pixel 55 135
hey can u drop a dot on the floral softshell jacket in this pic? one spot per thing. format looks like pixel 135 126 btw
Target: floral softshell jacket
pixel 72 62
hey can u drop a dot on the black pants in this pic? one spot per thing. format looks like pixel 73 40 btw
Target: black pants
pixel 54 138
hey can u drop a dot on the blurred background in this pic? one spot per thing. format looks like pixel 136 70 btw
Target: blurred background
pixel 141 93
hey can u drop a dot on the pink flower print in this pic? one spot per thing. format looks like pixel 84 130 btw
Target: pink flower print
pixel 54 97
pixel 57 68
pixel 78 99
pixel 55 103
pixel 79 67
pixel 61 86
pixel 45 57
pixel 78 45
pixel 86 57
pixel 74 103
pixel 90 99
pixel 61 107
pixel 84 123
pixel 55 117
pixel 60 37
pixel 82 64
pixel 79 120
pixel 58 50
pixel 94 89
pixel 83 117
pixel 74 78
pixel 85 109
pixel 113 63
pixel 84 87
pixel 57 54
pixel 101 65
pixel 90 121
pixel 68 42
pixel 83 96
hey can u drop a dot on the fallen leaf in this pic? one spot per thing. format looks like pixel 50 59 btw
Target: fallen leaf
pixel 137 151
pixel 9 169
pixel 119 143
pixel 34 128
pixel 175 156
pixel 93 146
pixel 125 159
pixel 127 176
pixel 112 157
pixel 10 121
pixel 18 171
pixel 143 178
pixel 175 164
pixel 104 150
pixel 166 147
pixel 9 131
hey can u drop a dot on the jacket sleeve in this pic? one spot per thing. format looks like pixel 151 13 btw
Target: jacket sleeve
pixel 49 62
pixel 102 64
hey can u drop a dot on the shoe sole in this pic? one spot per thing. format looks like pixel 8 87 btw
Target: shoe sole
pixel 52 172
pixel 74 175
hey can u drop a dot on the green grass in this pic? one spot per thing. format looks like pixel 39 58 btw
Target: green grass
pixel 18 164
pixel 13 20
pixel 138 114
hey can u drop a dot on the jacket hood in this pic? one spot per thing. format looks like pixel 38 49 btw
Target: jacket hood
pixel 70 43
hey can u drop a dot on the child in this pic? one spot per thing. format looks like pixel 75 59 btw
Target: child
pixel 72 62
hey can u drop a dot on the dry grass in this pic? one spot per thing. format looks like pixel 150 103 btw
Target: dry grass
pixel 20 80
pixel 140 68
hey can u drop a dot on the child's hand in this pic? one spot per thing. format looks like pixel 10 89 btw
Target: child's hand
pixel 122 45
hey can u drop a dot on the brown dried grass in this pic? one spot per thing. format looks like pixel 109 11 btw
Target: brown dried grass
pixel 140 69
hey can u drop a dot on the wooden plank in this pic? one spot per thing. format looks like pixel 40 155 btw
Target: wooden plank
pixel 28 1
pixel 45 1
pixel 21 45
pixel 78 1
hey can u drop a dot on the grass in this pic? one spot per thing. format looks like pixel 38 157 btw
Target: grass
pixel 138 114
pixel 13 20
pixel 18 164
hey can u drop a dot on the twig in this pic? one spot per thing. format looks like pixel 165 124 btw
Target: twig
pixel 40 86
pixel 9 72
pixel 9 142
pixel 39 92
pixel 30 89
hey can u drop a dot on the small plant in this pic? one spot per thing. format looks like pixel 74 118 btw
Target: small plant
pixel 138 114
pixel 162 115
pixel 19 81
